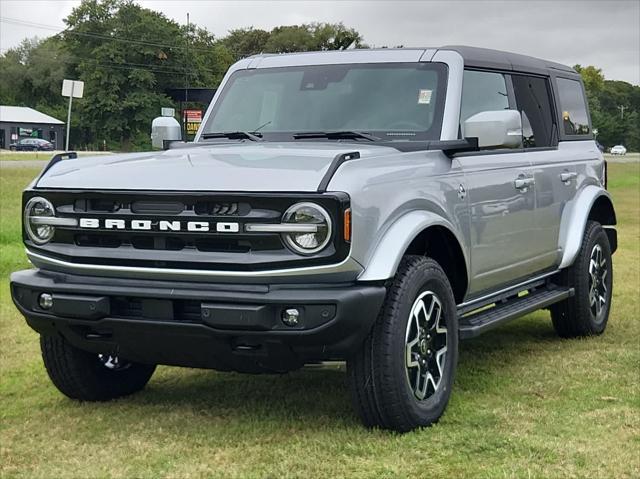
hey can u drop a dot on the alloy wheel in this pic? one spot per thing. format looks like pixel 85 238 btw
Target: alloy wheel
pixel 425 345
pixel 113 362
pixel 598 292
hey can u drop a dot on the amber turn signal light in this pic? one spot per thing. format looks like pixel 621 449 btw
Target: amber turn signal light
pixel 347 225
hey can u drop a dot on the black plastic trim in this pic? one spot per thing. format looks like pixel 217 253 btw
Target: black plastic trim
pixel 226 328
pixel 333 167
pixel 68 155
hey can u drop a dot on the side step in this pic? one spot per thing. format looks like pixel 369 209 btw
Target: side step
pixel 475 324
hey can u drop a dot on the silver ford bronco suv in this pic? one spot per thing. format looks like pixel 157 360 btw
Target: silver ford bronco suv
pixel 367 206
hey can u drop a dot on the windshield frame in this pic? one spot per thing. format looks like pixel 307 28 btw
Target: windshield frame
pixel 432 133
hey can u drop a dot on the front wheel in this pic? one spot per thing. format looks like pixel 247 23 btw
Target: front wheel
pixel 88 376
pixel 402 376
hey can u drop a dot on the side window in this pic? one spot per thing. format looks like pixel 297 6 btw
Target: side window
pixel 575 120
pixel 482 91
pixel 533 100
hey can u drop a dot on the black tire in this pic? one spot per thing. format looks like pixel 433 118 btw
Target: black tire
pixel 378 373
pixel 88 376
pixel 578 316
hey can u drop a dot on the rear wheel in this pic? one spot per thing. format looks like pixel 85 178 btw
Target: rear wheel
pixel 591 276
pixel 88 376
pixel 402 376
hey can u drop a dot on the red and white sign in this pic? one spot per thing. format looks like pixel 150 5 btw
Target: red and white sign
pixel 193 116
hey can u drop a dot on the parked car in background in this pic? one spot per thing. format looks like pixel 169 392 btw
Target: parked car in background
pixel 618 150
pixel 32 144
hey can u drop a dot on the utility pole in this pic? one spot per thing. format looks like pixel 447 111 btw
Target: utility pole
pixel 186 79
pixel 622 108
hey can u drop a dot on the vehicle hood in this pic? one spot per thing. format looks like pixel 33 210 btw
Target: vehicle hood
pixel 285 167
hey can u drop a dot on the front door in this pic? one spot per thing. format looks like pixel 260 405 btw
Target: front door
pixel 500 194
pixel 501 198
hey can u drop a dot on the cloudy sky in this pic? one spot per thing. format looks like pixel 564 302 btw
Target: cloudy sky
pixel 601 33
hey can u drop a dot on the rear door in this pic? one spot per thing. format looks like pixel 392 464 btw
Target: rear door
pixel 500 194
pixel 554 170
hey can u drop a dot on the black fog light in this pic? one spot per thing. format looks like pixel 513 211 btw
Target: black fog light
pixel 45 300
pixel 290 317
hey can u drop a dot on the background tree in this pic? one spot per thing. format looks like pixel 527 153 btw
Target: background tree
pixel 129 56
pixel 605 98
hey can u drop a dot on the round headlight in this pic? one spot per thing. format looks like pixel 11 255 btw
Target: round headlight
pixel 38 208
pixel 308 242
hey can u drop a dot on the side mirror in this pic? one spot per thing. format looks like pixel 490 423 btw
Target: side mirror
pixel 495 129
pixel 165 129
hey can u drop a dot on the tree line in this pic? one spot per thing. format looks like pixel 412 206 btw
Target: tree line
pixel 130 56
pixel 614 107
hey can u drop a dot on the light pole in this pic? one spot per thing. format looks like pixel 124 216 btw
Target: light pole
pixel 622 108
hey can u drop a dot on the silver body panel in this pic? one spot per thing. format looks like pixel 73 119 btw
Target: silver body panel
pixel 507 232
pixel 255 167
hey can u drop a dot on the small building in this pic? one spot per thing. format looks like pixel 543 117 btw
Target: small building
pixel 18 122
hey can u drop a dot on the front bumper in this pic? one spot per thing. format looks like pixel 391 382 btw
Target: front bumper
pixel 219 326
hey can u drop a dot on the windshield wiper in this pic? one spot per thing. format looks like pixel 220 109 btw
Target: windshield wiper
pixel 234 135
pixel 337 135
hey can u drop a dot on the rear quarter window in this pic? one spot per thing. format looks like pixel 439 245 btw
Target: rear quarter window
pixel 573 107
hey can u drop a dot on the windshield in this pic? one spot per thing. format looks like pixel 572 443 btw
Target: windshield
pixel 393 101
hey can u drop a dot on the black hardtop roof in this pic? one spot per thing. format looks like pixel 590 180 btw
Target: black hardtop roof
pixel 497 59
pixel 474 57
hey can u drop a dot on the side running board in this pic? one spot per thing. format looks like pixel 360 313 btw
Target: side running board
pixel 474 324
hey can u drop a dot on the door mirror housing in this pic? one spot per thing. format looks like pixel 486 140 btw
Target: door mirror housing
pixel 164 130
pixel 495 129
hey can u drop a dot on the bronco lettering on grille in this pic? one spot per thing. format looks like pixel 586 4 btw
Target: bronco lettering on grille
pixel 161 225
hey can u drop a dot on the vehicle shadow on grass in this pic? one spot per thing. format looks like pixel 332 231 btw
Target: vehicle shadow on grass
pixel 321 395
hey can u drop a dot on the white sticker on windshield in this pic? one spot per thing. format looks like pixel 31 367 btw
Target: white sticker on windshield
pixel 424 97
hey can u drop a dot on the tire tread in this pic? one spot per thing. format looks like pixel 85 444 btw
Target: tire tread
pixel 572 318
pixel 78 375
pixel 372 376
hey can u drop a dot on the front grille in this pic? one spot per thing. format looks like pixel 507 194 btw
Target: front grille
pixel 98 241
pixel 168 243
pixel 160 207
pixel 156 309
pixel 177 246
pixel 221 209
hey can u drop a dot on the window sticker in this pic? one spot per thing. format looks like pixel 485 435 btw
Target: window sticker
pixel 424 97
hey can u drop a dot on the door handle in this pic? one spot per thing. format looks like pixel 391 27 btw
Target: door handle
pixel 567 176
pixel 523 183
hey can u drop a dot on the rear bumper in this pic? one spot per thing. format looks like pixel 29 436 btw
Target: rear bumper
pixel 218 326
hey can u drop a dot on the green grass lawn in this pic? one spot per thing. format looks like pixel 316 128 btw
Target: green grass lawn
pixel 525 403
